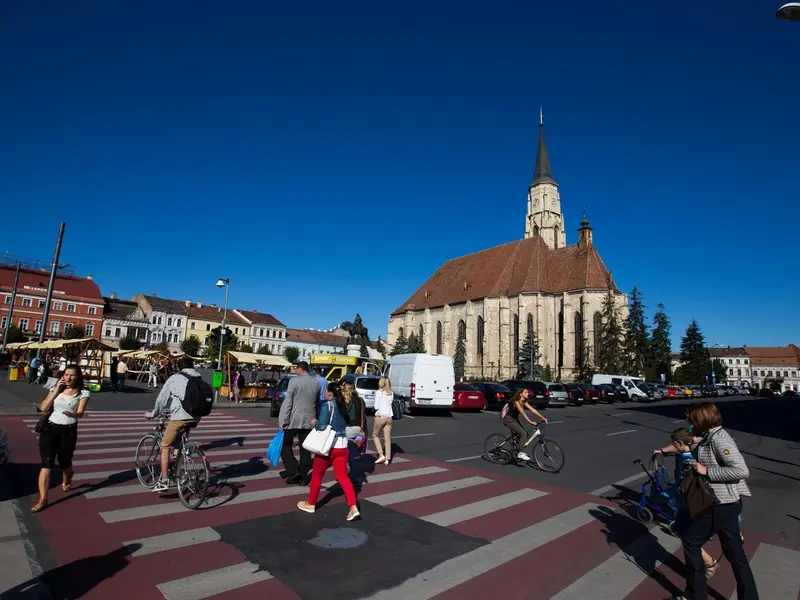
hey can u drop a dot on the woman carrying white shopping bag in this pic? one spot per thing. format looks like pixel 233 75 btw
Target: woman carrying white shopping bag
pixel 328 442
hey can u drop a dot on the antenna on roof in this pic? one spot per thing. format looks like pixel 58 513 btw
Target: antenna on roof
pixel 541 117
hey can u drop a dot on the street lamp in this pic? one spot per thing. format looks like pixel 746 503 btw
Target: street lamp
pixel 223 283
pixel 711 359
pixel 789 11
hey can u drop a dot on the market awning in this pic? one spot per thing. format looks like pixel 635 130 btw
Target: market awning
pixel 259 359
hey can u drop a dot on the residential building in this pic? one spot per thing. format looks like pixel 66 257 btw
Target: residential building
pixel 76 301
pixel 313 341
pixel 538 285
pixel 124 318
pixel 166 318
pixel 737 365
pixel 202 319
pixel 781 363
pixel 265 331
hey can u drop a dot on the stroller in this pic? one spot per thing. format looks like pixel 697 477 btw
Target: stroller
pixel 658 500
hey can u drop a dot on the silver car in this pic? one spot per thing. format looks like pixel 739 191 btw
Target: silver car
pixel 558 394
pixel 366 386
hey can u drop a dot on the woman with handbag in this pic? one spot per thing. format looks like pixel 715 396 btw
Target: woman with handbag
pixel 383 421
pixel 58 430
pixel 720 471
pixel 356 426
pixel 328 442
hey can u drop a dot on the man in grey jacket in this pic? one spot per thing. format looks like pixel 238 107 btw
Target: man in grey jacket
pixel 299 409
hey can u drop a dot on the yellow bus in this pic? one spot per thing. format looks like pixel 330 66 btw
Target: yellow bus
pixel 336 366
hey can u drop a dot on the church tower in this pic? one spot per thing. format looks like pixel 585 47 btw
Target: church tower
pixel 544 216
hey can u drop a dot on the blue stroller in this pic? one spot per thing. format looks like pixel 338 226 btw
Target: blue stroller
pixel 658 500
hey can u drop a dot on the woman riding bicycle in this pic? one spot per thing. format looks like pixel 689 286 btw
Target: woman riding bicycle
pixel 511 414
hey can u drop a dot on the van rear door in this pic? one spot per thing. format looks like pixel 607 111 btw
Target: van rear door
pixel 434 382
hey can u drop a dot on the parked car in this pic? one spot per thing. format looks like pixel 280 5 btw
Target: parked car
pixel 609 393
pixel 576 394
pixel 591 393
pixel 766 393
pixel 651 392
pixel 558 394
pixel 496 394
pixel 623 393
pixel 672 392
pixel 540 396
pixel 791 394
pixel 422 381
pixel 366 386
pixel 279 394
pixel 468 397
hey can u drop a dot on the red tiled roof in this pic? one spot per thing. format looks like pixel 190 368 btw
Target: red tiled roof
pixel 774 355
pixel 310 336
pixel 721 352
pixel 260 318
pixel 523 266
pixel 211 313
pixel 73 288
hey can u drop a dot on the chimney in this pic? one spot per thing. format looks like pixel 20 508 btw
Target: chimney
pixel 89 277
pixel 188 303
pixel 113 295
pixel 152 295
pixel 584 233
pixel 199 305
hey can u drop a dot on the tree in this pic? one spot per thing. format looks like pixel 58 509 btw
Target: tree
pixel 357 334
pixel 527 367
pixel 162 347
pixel 191 345
pixel 415 345
pixel 694 355
pixel 460 359
pixel 586 369
pixel 401 345
pixel 291 353
pixel 547 373
pixel 610 354
pixel 129 343
pixel 230 342
pixel 720 371
pixel 660 346
pixel 15 335
pixel 76 332
pixel 245 347
pixel 637 341
pixel 380 348
pixel 264 350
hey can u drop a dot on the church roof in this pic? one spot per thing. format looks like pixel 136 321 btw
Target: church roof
pixel 523 266
pixel 542 172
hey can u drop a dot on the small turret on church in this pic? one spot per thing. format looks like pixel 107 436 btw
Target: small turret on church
pixel 544 216
pixel 584 233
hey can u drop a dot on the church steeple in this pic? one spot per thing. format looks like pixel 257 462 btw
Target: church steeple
pixel 542 173
pixel 544 216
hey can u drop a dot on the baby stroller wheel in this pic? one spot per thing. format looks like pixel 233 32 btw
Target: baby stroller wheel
pixel 673 528
pixel 644 514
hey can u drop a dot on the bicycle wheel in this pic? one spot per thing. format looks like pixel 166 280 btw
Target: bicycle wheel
pixel 548 455
pixel 191 477
pixel 148 460
pixel 497 449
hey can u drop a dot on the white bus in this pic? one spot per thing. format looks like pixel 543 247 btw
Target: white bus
pixel 631 384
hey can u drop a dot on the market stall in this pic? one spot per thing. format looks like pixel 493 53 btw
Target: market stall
pixel 88 353
pixel 258 390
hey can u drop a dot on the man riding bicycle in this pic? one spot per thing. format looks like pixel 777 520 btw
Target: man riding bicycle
pixel 175 388
pixel 511 414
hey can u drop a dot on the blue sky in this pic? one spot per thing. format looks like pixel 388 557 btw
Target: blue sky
pixel 328 157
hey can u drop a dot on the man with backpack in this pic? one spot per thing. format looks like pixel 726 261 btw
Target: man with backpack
pixel 187 397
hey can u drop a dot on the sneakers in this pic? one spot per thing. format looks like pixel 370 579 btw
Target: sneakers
pixel 381 461
pixel 306 507
pixel 162 485
pixel 523 456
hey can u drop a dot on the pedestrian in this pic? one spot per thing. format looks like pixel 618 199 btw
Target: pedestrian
pixel 153 375
pixel 238 386
pixel 122 370
pixel 719 461
pixel 297 415
pixel 383 421
pixel 112 375
pixel 331 413
pixel 353 412
pixel 66 402
pixel 323 383
pixel 33 370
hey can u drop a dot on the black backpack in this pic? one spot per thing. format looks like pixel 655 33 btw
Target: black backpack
pixel 199 397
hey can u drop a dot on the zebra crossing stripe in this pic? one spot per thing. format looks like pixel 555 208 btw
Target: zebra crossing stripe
pixel 201 437
pixel 211 583
pixel 777 572
pixel 172 541
pixel 483 507
pixel 430 490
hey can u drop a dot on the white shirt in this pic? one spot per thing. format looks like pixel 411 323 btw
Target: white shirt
pixel 122 368
pixel 66 403
pixel 341 442
pixel 383 404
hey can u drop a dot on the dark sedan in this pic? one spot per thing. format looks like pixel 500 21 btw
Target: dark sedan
pixel 575 393
pixel 497 395
pixel 591 393
pixel 540 395
pixel 608 393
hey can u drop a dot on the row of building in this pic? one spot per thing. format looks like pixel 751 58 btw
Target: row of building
pixel 151 320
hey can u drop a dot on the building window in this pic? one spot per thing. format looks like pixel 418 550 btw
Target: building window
pixel 560 338
pixel 169 321
pixel 439 349
pixel 68 326
pixel 480 333
pixel 23 324
pixel 117 332
pixel 92 310
pixel 422 334
pixel 208 327
pixel 747 372
pixel 730 371
pixel 737 361
pixel 529 330
pixel 178 324
pixel 738 372
pixel 55 326
pixel 578 339
pixel 8 300
pixel 745 361
pixel 27 302
pixel 71 308
pixel 462 330
pixel 597 325
pixel 160 321
pixel 108 332
pixel 58 306
pixel 3 322
pixel 515 341
pixel 155 321
pixel 786 373
pixel 41 303
pixel 400 332
pixel 38 326
pixel 193 325
pixel 90 329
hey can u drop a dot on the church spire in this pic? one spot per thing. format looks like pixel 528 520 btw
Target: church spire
pixel 542 173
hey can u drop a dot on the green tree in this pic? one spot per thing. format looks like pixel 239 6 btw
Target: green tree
pixel 162 347
pixel 415 345
pixel 264 350
pixel 291 353
pixel 720 371
pixel 129 343
pixel 380 348
pixel 460 359
pixel 610 354
pixel 191 345
pixel 76 332
pixel 547 374
pixel 660 346
pixel 401 345
pixel 694 355
pixel 586 369
pixel 15 335
pixel 231 342
pixel 637 340
pixel 527 367
pixel 245 347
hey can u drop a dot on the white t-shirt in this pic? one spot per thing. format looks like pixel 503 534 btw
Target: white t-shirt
pixel 341 442
pixel 383 404
pixel 122 368
pixel 69 403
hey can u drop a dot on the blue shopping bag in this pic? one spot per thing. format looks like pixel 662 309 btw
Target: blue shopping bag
pixel 274 450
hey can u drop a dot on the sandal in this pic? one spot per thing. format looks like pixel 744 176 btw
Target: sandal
pixel 66 486
pixel 39 506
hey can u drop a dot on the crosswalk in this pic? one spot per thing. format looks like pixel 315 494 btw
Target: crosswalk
pixel 574 546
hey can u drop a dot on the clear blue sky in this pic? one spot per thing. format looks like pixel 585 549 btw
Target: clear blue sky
pixel 328 156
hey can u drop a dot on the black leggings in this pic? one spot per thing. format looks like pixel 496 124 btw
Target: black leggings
pixel 518 432
pixel 57 442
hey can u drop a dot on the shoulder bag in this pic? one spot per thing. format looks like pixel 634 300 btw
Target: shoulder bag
pixel 321 442
pixel 397 409
pixel 696 494
pixel 44 419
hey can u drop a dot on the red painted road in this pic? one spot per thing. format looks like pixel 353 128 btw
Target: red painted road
pixel 88 526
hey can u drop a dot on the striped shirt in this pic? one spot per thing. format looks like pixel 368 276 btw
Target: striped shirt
pixel 727 470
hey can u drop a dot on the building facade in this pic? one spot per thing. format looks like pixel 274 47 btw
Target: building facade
pixel 202 319
pixel 124 318
pixel 495 297
pixel 76 302
pixel 737 365
pixel 781 363
pixel 313 341
pixel 166 320
pixel 265 331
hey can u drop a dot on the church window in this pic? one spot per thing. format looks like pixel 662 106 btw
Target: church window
pixel 535 230
pixel 480 333
pixel 462 330
pixel 439 348
pixel 515 342
pixel 555 236
pixel 597 327
pixel 578 339
pixel 400 332
pixel 530 326
pixel 421 333
pixel 560 338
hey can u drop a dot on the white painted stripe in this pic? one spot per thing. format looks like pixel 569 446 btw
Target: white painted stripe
pixel 619 414
pixel 229 430
pixel 554 422
pixel 463 568
pixel 618 576
pixel 483 507
pixel 679 421
pixel 209 453
pixel 395 475
pixel 130 448
pixel 211 583
pixel 98 412
pixel 408 417
pixel 172 541
pixel 777 572
pixel 411 435
pixel 610 488
pixel 452 460
pixel 426 491
pixel 204 437
pixel 620 432
pixel 13 552
pixel 145 427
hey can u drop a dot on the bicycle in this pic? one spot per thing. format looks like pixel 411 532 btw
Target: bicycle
pixel 189 469
pixel 548 455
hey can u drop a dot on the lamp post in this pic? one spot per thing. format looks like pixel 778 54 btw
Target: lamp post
pixel 789 11
pixel 222 283
pixel 711 359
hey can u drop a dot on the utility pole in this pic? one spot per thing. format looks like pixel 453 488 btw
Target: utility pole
pixel 11 308
pixel 53 271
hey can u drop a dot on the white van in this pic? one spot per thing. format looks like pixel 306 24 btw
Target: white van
pixel 422 380
pixel 626 381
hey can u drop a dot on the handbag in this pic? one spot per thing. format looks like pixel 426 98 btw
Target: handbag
pixel 274 449
pixel 696 494
pixel 397 410
pixel 44 419
pixel 321 442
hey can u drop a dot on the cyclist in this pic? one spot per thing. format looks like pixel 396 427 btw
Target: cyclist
pixel 170 398
pixel 512 412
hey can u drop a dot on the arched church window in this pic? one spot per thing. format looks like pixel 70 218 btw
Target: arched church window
pixel 535 230
pixel 578 339
pixel 515 343
pixel 480 333
pixel 560 339
pixel 439 349
pixel 555 236
pixel 421 332
pixel 597 325
pixel 462 330
pixel 530 325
